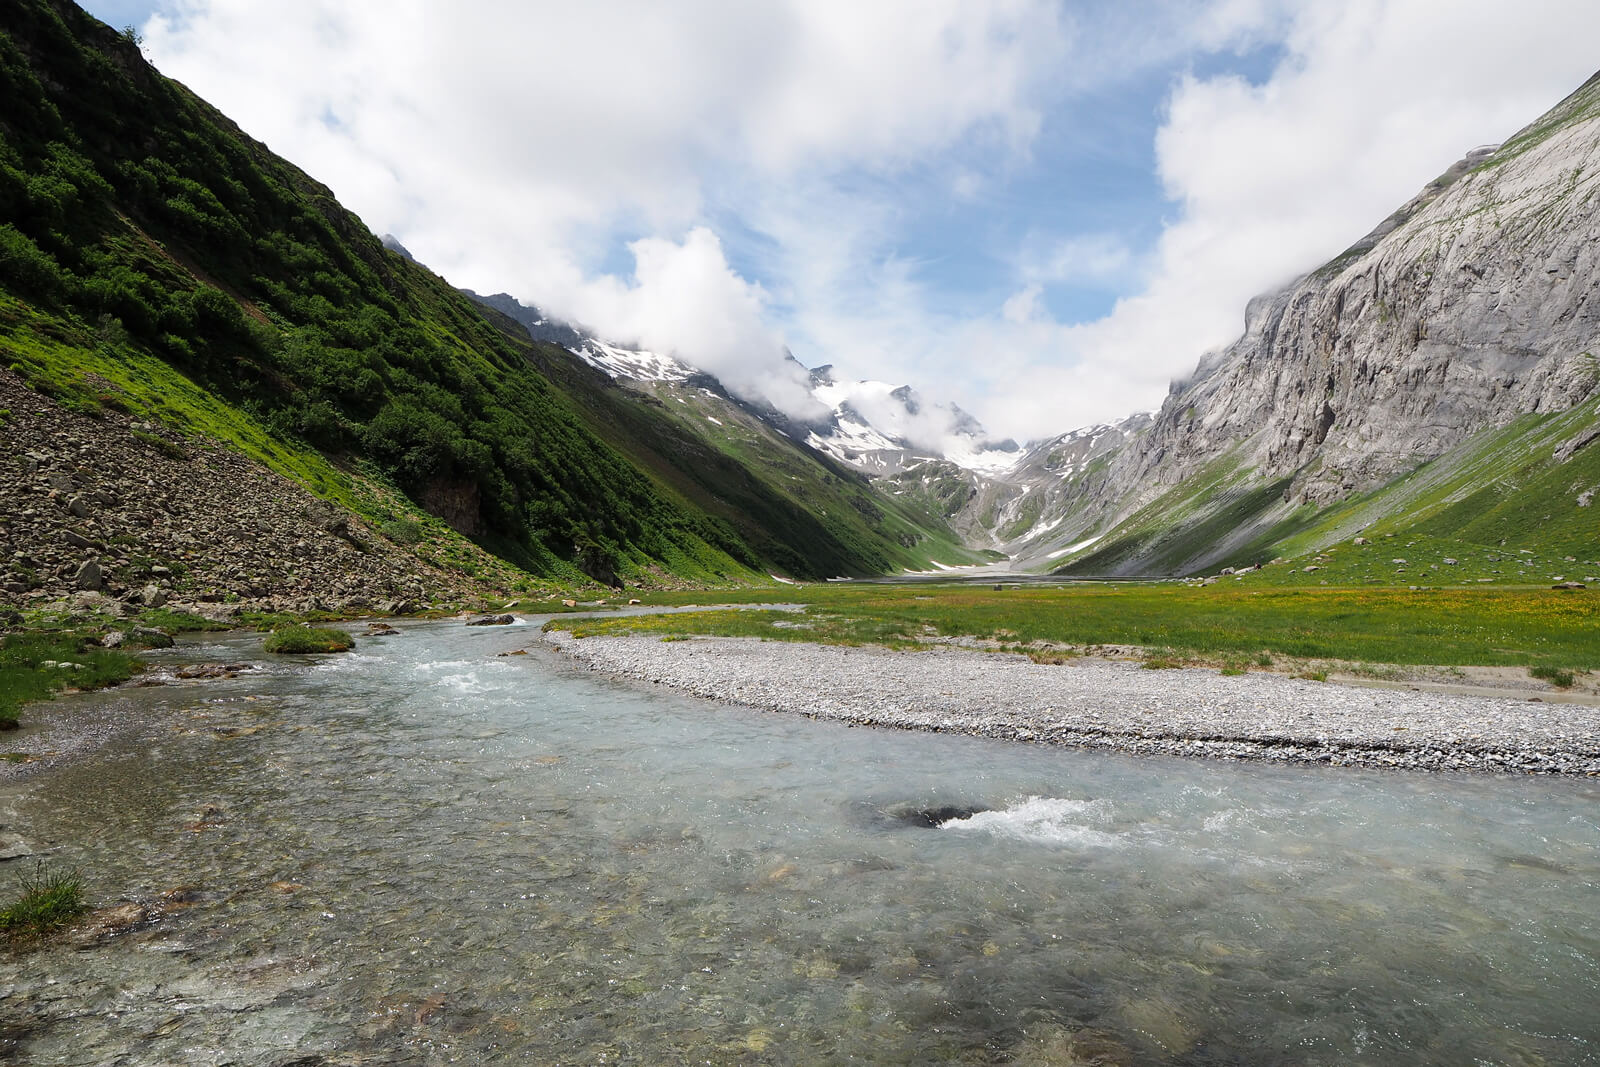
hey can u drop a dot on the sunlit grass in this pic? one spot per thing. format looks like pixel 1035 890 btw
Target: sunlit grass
pixel 47 899
pixel 1526 627
pixel 298 639
pixel 33 666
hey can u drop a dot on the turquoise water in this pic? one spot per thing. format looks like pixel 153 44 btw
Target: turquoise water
pixel 426 853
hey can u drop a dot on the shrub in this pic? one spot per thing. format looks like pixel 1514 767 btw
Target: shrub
pixel 49 899
pixel 308 639
pixel 402 531
pixel 1559 677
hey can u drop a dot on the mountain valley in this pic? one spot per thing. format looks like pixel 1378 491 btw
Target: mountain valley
pixel 1436 379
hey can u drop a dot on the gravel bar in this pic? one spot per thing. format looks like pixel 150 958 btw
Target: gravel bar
pixel 1107 704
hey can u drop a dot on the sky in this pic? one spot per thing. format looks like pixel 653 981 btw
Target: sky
pixel 1043 211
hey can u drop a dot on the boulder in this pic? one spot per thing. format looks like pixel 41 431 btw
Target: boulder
pixel 89 577
pixel 492 620
pixel 149 638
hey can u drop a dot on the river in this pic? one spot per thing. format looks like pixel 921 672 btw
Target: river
pixel 423 852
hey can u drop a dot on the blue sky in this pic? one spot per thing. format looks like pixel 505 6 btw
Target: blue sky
pixel 1043 210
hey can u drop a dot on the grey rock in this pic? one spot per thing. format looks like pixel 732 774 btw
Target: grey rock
pixel 12 847
pixel 492 620
pixel 152 596
pixel 88 577
pixel 150 638
pixel 114 639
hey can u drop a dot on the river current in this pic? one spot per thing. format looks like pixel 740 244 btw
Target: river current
pixel 423 852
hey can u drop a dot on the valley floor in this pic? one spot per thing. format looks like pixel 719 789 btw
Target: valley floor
pixel 1107 704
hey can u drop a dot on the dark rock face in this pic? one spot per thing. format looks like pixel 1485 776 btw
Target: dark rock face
pixel 928 816
pixel 89 509
pixel 492 620
pixel 456 502
pixel 88 577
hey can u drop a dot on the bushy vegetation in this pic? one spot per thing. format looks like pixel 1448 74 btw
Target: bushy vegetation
pixel 295 639
pixel 1559 677
pixel 33 666
pixel 47 899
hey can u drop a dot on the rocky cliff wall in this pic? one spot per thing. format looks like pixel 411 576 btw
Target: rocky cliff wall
pixel 1473 304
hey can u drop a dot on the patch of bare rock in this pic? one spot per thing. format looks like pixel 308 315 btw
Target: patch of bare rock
pixel 114 514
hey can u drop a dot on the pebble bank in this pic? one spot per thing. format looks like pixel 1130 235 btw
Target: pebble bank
pixel 1106 704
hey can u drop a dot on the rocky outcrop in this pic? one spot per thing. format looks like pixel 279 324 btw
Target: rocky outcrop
pixel 117 514
pixel 1475 303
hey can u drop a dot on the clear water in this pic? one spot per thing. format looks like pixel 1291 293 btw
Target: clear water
pixel 428 854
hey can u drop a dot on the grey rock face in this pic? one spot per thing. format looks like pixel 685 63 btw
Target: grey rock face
pixel 1475 303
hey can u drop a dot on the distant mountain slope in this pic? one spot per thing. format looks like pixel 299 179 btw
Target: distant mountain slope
pixel 138 224
pixel 1471 308
pixel 808 514
pixel 870 425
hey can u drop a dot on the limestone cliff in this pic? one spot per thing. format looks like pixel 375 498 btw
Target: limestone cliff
pixel 1472 305
pixel 1475 304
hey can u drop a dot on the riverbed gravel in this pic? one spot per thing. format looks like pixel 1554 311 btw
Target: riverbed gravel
pixel 1108 704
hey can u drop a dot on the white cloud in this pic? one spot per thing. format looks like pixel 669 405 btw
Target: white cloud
pixel 801 143
pixel 516 145
pixel 684 300
pixel 1369 101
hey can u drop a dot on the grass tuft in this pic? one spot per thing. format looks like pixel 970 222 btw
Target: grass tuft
pixel 35 665
pixel 49 899
pixel 296 639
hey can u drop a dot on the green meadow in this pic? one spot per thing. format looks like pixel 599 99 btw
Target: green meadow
pixel 1440 627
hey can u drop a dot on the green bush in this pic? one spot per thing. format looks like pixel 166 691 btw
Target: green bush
pixel 308 639
pixel 49 899
pixel 402 531
pixel 1559 677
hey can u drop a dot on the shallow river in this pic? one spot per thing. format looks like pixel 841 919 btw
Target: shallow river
pixel 425 853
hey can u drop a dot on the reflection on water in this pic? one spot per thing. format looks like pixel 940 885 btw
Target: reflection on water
pixel 425 853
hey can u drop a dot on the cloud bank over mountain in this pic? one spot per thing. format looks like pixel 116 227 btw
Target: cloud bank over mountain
pixel 926 192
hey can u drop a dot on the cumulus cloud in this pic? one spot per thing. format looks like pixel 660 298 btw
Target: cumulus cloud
pixel 683 299
pixel 521 145
pixel 1367 101
pixel 721 180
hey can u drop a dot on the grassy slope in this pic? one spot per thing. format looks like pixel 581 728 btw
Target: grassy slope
pixel 1222 507
pixel 1501 492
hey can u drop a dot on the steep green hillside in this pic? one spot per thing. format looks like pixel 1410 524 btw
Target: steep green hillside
pixel 795 507
pixel 154 257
